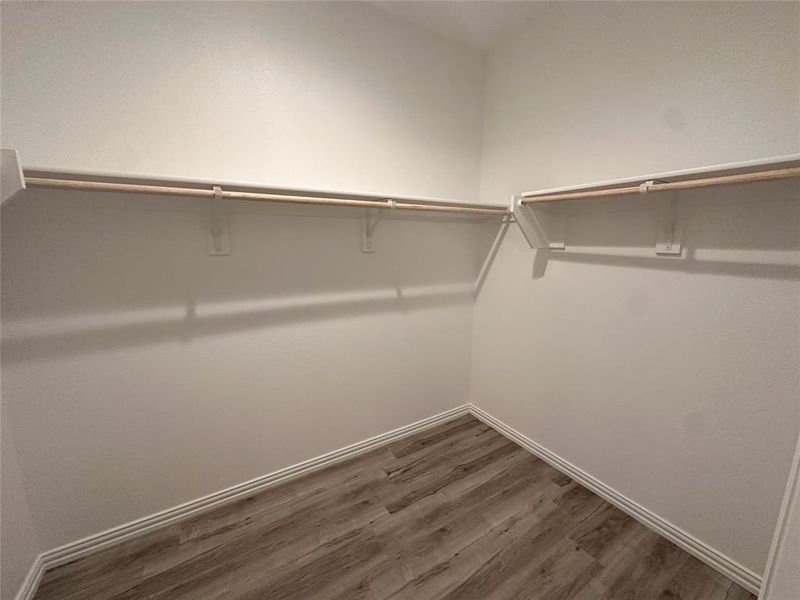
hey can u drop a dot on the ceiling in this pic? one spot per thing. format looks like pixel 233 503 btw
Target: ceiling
pixel 477 23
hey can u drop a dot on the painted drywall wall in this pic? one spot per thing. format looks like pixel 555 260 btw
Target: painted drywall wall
pixel 617 89
pixel 17 536
pixel 336 96
pixel 673 381
pixel 158 374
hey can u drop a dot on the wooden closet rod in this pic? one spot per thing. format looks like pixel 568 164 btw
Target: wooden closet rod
pixel 665 187
pixel 129 188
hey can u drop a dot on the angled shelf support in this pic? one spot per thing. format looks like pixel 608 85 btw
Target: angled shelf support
pixel 370 223
pixel 368 229
pixel 12 181
pixel 542 226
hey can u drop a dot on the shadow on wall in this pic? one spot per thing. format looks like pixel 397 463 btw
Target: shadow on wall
pixel 93 273
pixel 687 263
pixel 196 323
pixel 741 231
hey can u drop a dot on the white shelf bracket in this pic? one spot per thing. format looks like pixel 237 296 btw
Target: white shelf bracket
pixel 12 181
pixel 670 228
pixel 370 223
pixel 218 239
pixel 542 226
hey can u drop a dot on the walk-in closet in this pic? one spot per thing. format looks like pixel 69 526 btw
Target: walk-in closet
pixel 399 300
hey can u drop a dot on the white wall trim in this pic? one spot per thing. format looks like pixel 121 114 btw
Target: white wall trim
pixel 115 535
pixel 31 581
pixel 713 558
pixel 74 550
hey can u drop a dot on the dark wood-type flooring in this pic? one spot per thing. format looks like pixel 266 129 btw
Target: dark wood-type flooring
pixel 457 512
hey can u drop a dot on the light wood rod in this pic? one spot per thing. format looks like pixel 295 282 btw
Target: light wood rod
pixel 675 185
pixel 449 208
pixel 160 190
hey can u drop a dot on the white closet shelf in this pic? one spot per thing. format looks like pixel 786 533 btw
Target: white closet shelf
pixel 40 177
pixel 216 192
pixel 776 167
pixel 543 222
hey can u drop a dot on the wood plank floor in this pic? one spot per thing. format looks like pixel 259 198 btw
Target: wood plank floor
pixel 457 512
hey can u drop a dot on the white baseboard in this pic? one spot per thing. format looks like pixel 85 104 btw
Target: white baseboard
pixel 74 550
pixel 93 543
pixel 31 581
pixel 713 558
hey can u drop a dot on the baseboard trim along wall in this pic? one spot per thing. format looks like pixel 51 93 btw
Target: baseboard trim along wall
pixel 31 581
pixel 74 550
pixel 93 543
pixel 713 558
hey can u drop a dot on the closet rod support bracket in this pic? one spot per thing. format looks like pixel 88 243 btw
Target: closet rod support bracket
pixel 218 238
pixel 670 227
pixel 368 227
pixel 542 226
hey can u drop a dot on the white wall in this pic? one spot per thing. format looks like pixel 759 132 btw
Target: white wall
pixel 596 91
pixel 673 381
pixel 156 373
pixel 336 96
pixel 17 536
